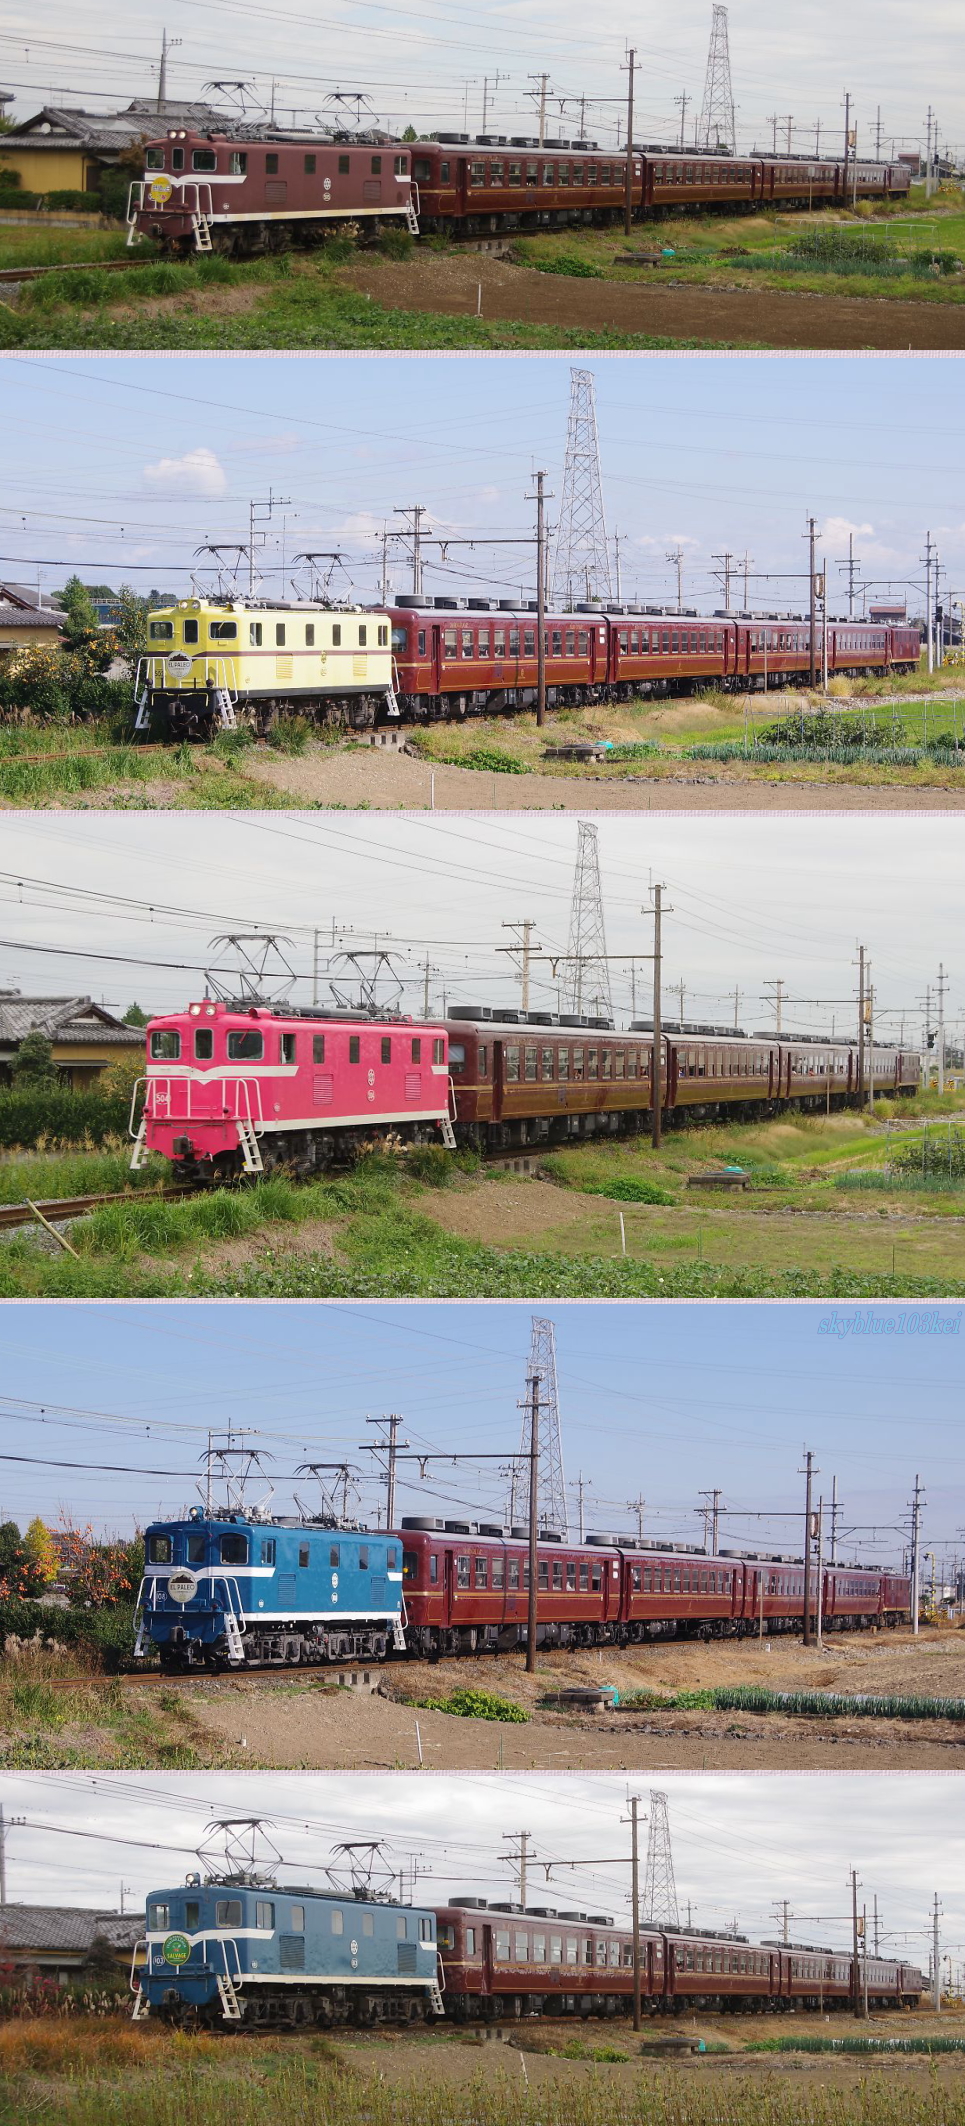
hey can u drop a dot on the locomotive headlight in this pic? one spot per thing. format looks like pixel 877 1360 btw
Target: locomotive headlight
pixel 194 1010
pixel 182 1586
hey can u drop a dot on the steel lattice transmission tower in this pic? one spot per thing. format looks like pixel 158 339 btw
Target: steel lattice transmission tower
pixel 551 1489
pixel 717 129
pixel 589 978
pixel 581 563
pixel 660 1890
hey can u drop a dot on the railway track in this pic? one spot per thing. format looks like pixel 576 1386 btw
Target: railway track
pixel 55 1211
pixel 9 274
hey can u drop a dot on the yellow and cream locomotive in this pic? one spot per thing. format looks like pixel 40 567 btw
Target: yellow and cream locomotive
pixel 212 664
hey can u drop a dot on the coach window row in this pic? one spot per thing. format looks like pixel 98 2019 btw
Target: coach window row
pixel 547 1065
pixel 679 1579
pixel 780 1583
pixel 572 1949
pixel 480 1573
pixel 672 642
pixel 748 1961
pixel 723 1062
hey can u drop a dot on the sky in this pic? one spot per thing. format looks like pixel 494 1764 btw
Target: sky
pixel 740 1841
pixel 425 63
pixel 125 907
pixel 122 469
pixel 105 1411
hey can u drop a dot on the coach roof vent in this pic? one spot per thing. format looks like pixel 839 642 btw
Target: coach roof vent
pixel 506 605
pixel 421 1520
pixel 460 1528
pixel 550 1535
pixel 490 1528
pixel 444 605
pixel 408 598
pixel 470 1904
pixel 605 1542
pixel 479 605
pixel 519 1533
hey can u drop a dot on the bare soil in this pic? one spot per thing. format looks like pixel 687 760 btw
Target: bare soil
pixel 317 1726
pixel 448 283
pixel 390 781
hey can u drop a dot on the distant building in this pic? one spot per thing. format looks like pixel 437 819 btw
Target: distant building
pixel 62 150
pixel 894 614
pixel 62 1942
pixel 84 1037
pixel 27 619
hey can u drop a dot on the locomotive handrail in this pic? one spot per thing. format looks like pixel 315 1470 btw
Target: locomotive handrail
pixel 244 1106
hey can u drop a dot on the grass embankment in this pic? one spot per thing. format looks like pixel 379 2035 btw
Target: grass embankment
pixel 93 2074
pixel 58 1710
pixel 672 737
pixel 48 763
pixel 41 1176
pixel 37 244
pixel 906 251
pixel 383 1232
pixel 293 301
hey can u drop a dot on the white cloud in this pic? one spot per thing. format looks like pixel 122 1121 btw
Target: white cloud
pixel 197 473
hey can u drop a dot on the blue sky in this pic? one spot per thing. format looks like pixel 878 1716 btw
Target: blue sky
pixel 656 1401
pixel 125 467
pixel 126 905
pixel 423 61
pixel 740 1841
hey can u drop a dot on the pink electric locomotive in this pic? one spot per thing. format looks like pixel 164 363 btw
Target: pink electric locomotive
pixel 237 1088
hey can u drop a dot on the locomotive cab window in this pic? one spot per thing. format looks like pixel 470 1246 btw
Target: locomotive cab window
pixel 204 159
pixel 318 1048
pixel 287 1052
pixel 161 630
pixel 245 1046
pixel 303 1556
pixel 363 637
pixel 343 165
pixel 265 1917
pixel 268 1550
pixel 255 634
pixel 177 158
pixel 224 631
pixel 194 1550
pixel 227 1912
pixel 203 1044
pixel 416 1051
pixel 154 159
pixel 336 636
pixel 310 635
pixel 376 165
pixel 165 1046
pixel 271 165
pixel 159 1550
pixel 309 165
pixel 233 1550
pixel 159 1918
pixel 191 631
pixel 280 634
pixel 238 165
pixel 353 1047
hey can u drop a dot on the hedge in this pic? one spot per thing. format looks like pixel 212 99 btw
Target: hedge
pixel 107 1633
pixel 60 1117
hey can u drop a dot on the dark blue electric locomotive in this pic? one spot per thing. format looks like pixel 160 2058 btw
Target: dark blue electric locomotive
pixel 258 1955
pixel 232 1590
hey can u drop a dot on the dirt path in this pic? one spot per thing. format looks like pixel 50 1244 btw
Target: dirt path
pixel 392 781
pixel 311 1726
pixel 767 318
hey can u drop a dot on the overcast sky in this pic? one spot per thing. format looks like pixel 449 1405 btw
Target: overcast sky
pixel 424 62
pixel 122 469
pixel 740 1840
pixel 656 1402
pixel 126 906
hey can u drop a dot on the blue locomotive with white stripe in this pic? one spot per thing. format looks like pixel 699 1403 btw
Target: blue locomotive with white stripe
pixel 232 1590
pixel 237 1953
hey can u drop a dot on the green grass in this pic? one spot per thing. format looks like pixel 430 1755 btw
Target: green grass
pixel 59 1713
pixel 469 1704
pixel 749 1698
pixel 36 245
pixel 43 1175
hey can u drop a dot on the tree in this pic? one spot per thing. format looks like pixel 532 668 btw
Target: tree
pixel 131 628
pixel 33 1063
pixel 134 1016
pixel 19 1576
pixel 41 1550
pixel 410 133
pixel 117 1082
pixel 77 606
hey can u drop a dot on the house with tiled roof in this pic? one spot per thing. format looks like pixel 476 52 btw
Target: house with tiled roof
pixel 84 1037
pixel 65 150
pixel 62 1942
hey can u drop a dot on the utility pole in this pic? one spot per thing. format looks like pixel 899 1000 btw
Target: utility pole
pixel 856 1991
pixel 782 1913
pixel 711 1513
pixel 917 1501
pixel 519 1860
pixel 942 986
pixel 497 78
pixel 168 44
pixel 581 1486
pixel 391 1448
pixel 415 510
pixel 533 1524
pixel 746 564
pixel 540 499
pixel 636 1506
pixel 808 1472
pixel 618 539
pixel 788 121
pixel 850 566
pixel 683 102
pixel 680 990
pixel 936 1962
pixel 676 560
pixel 772 122
pixel 810 535
pixel 629 69
pixel 871 1036
pixel 847 142
pixel 726 559
pixel 778 984
pixel 542 79
pixel 834 1521
pixel 635 1901
pixel 523 946
pixel 861 1023
pixel 656 1090
pixel 878 159
pixel 875 1907
pixel 929 560
pixel 928 182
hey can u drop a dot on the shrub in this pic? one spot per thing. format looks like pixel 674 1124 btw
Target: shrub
pixel 573 268
pixel 75 202
pixel 489 759
pixel 629 1190
pixel 106 1634
pixel 469 1704
pixel 396 243
pixel 53 1115
pixel 432 1164
pixel 290 734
